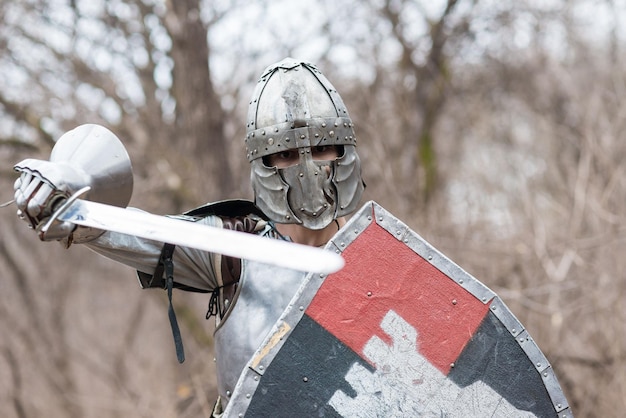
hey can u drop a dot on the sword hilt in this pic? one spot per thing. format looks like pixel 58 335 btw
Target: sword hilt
pixel 62 208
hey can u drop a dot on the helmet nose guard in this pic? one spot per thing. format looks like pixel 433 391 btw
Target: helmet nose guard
pixel 295 107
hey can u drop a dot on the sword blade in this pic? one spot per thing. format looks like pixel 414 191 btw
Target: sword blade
pixel 202 237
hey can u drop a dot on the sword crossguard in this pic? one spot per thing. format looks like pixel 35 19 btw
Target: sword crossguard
pixel 58 212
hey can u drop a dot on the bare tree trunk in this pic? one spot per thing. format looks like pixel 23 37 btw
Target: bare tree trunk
pixel 199 125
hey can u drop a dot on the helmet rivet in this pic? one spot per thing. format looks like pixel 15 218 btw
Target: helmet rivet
pixel 317 135
pixel 288 217
pixel 302 136
pixel 323 124
pixel 331 134
pixel 263 132
pixel 270 141
pixel 336 124
pixel 301 174
pixel 252 134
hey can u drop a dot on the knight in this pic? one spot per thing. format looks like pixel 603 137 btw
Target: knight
pixel 419 336
pixel 306 176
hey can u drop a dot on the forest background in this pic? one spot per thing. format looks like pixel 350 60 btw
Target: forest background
pixel 495 129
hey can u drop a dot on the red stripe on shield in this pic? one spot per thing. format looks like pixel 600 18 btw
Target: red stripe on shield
pixel 352 302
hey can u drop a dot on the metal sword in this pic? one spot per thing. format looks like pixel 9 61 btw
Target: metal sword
pixel 191 234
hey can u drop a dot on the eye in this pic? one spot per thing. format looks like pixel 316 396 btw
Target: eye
pixel 285 155
pixel 324 152
pixel 282 159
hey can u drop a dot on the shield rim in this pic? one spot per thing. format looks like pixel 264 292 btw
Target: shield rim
pixel 373 212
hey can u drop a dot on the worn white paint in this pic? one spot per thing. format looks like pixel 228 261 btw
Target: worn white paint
pixel 407 384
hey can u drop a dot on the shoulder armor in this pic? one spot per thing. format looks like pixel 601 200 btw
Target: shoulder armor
pixel 228 208
pixel 233 213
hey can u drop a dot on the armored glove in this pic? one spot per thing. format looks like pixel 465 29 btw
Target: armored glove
pixel 87 156
pixel 42 188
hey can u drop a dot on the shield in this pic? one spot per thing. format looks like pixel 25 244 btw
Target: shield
pixel 400 331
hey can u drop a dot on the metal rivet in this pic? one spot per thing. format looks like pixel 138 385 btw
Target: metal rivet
pixel 454 301
pixel 452 365
pixel 369 294
pixel 305 379
pixel 270 141
pixel 301 308
pixel 261 367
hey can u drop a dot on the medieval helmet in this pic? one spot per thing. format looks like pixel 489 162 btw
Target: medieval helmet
pixel 294 107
